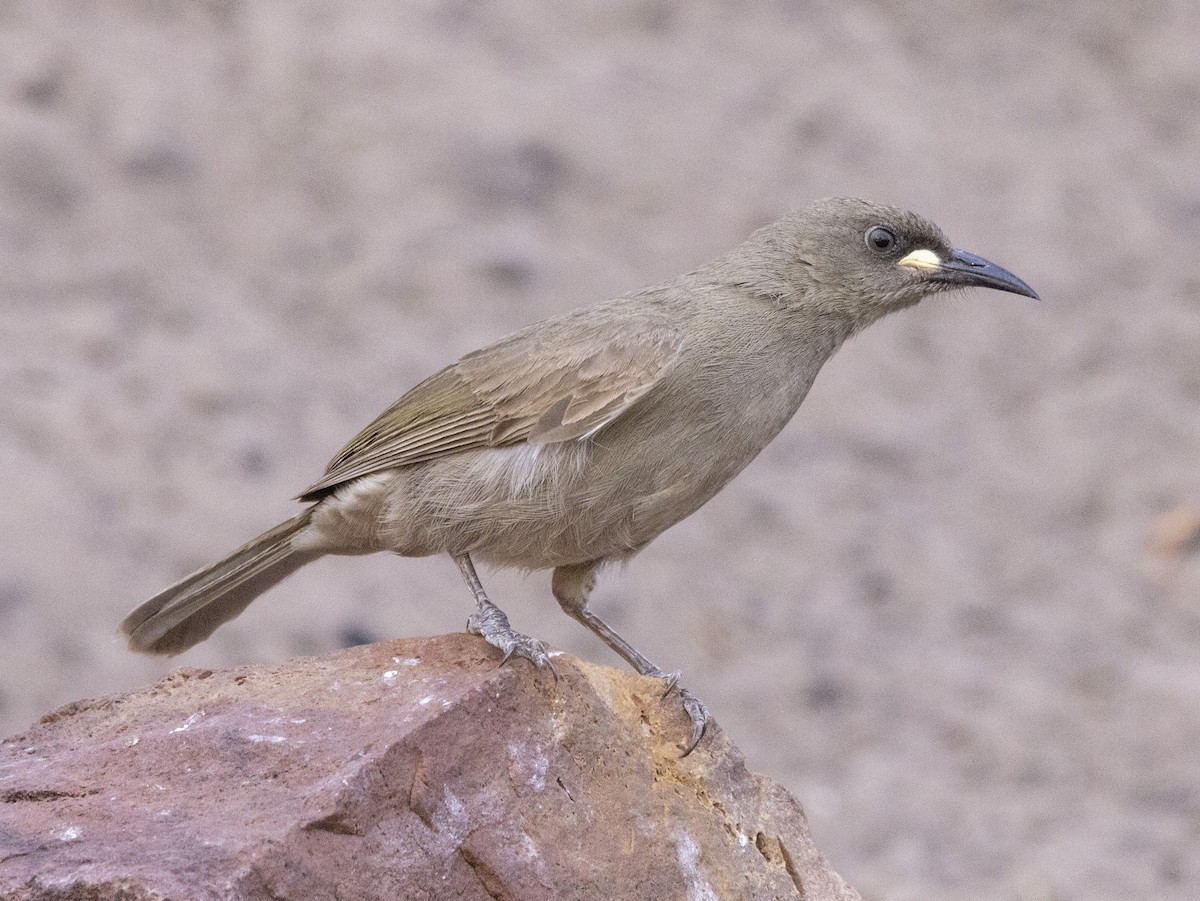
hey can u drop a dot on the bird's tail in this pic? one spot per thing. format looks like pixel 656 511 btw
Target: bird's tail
pixel 188 612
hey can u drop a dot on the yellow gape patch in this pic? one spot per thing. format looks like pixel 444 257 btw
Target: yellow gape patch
pixel 921 259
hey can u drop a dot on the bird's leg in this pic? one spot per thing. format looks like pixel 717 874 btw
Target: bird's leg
pixel 571 586
pixel 491 623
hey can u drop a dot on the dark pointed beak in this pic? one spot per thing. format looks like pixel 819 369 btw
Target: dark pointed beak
pixel 967 270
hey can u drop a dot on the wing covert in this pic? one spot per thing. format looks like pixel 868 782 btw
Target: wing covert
pixel 559 380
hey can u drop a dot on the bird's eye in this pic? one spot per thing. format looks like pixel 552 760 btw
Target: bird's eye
pixel 880 239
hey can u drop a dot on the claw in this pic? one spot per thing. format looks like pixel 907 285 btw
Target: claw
pixel 698 714
pixel 532 650
pixel 672 680
pixel 692 706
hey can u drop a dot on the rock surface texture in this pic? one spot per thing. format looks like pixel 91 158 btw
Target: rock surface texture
pixel 401 770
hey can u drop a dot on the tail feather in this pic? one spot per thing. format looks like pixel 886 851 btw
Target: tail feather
pixel 191 609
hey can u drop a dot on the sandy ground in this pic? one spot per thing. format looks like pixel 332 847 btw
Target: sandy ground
pixel 935 608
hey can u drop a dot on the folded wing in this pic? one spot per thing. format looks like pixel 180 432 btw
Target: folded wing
pixel 560 380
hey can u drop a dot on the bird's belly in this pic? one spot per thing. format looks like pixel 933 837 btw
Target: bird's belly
pixel 534 506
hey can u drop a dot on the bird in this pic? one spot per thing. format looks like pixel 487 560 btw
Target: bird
pixel 574 442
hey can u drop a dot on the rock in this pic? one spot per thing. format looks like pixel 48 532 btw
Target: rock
pixel 404 769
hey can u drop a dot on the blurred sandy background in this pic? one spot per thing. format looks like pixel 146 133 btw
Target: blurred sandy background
pixel 955 607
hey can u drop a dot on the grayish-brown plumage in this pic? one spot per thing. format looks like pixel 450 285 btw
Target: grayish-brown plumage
pixel 574 442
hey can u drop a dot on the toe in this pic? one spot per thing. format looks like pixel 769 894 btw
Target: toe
pixel 517 645
pixel 536 652
pixel 474 626
pixel 698 714
pixel 672 680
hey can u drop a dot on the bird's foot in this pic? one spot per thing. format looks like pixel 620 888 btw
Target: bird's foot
pixel 491 624
pixel 692 706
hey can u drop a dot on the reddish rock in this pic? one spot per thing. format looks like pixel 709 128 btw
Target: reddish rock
pixel 414 769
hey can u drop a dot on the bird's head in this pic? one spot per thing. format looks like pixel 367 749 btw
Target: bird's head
pixel 865 259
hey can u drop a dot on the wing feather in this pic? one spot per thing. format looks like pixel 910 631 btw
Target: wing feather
pixel 559 380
